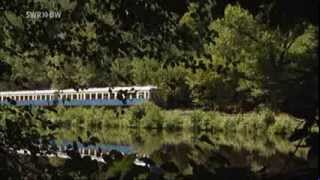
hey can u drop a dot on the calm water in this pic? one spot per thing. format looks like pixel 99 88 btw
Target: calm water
pixel 232 150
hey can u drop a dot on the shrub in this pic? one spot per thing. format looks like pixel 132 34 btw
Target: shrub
pixel 136 113
pixel 173 121
pixel 216 121
pixel 146 115
pixel 110 119
pixel 284 125
pixel 269 118
pixel 153 117
pixel 200 121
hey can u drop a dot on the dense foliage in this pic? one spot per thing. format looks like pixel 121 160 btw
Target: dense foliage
pixel 232 56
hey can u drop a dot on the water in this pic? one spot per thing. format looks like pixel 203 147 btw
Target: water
pixel 257 153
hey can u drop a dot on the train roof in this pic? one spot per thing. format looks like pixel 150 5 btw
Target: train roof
pixel 96 89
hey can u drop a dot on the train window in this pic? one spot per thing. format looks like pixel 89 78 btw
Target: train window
pixel 74 96
pixel 112 96
pixel 43 97
pixel 140 95
pixel 47 97
pixel 99 96
pixel 93 96
pixel 106 96
pixel 38 97
pixel 87 96
pixel 21 98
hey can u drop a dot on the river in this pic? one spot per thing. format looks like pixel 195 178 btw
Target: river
pixel 256 153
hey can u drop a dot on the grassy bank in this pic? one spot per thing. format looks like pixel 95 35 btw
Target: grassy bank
pixel 149 116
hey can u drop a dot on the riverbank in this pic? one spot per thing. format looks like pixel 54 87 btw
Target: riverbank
pixel 202 137
pixel 150 116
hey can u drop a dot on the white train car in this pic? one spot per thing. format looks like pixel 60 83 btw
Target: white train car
pixel 107 96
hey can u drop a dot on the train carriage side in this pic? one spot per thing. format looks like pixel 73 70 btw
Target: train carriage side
pixel 117 96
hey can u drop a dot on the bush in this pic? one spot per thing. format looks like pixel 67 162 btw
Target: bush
pixel 284 125
pixel 217 121
pixel 136 113
pixel 110 119
pixel 153 117
pixel 173 121
pixel 268 118
pixel 146 115
pixel 200 121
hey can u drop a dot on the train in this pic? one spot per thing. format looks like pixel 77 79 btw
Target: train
pixel 106 96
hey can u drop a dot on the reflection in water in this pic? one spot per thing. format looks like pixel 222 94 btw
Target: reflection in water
pixel 190 155
pixel 144 141
pixel 233 150
pixel 63 145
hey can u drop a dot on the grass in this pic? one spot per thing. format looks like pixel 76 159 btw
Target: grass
pixel 150 116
